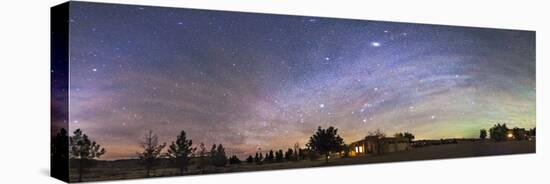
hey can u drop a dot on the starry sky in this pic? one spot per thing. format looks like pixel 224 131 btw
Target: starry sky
pixel 252 81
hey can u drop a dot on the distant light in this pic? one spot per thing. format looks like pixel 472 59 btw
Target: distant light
pixel 375 44
pixel 510 135
pixel 356 149
pixel 322 105
pixel 361 149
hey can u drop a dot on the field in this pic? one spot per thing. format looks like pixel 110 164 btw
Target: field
pixel 130 169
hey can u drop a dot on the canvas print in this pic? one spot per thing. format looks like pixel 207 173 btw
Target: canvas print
pixel 141 91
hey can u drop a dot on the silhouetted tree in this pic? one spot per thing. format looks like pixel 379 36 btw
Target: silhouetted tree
pixel 234 160
pixel 60 154
pixel 217 156
pixel 279 157
pixel 378 133
pixel 345 147
pixel 379 141
pixel 258 158
pixel 180 151
pixel 482 134
pixel 409 136
pixel 498 132
pixel 249 159
pixel 202 157
pixel 269 157
pixel 312 155
pixel 296 151
pixel 289 155
pixel 302 153
pixel 325 140
pixel 151 151
pixel 533 131
pixel 518 133
pixel 84 151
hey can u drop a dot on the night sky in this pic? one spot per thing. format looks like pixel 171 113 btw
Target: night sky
pixel 256 80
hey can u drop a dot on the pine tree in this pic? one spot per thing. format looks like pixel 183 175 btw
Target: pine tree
pixel 269 158
pixel 180 151
pixel 279 156
pixel 249 159
pixel 202 157
pixel 234 160
pixel 217 156
pixel 84 151
pixel 289 155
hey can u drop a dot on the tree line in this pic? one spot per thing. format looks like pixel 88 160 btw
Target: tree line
pixel 501 132
pixel 83 152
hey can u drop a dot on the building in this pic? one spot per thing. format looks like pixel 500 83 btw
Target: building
pixel 372 145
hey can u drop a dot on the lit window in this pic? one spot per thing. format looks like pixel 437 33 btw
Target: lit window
pixel 361 149
pixel 356 149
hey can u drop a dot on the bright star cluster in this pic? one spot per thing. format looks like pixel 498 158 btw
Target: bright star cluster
pixel 256 80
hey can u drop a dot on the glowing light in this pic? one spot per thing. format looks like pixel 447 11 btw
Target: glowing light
pixel 375 44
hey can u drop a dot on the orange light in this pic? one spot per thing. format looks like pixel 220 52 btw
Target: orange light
pixel 510 135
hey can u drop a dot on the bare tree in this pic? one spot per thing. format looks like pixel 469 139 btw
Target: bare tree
pixel 151 151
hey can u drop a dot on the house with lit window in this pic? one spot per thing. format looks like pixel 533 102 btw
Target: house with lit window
pixel 517 134
pixel 372 145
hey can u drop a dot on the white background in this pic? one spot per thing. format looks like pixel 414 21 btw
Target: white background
pixel 24 90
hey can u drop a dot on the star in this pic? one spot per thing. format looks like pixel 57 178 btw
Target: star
pixel 215 77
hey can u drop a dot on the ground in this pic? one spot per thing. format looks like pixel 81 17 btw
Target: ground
pixel 130 169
